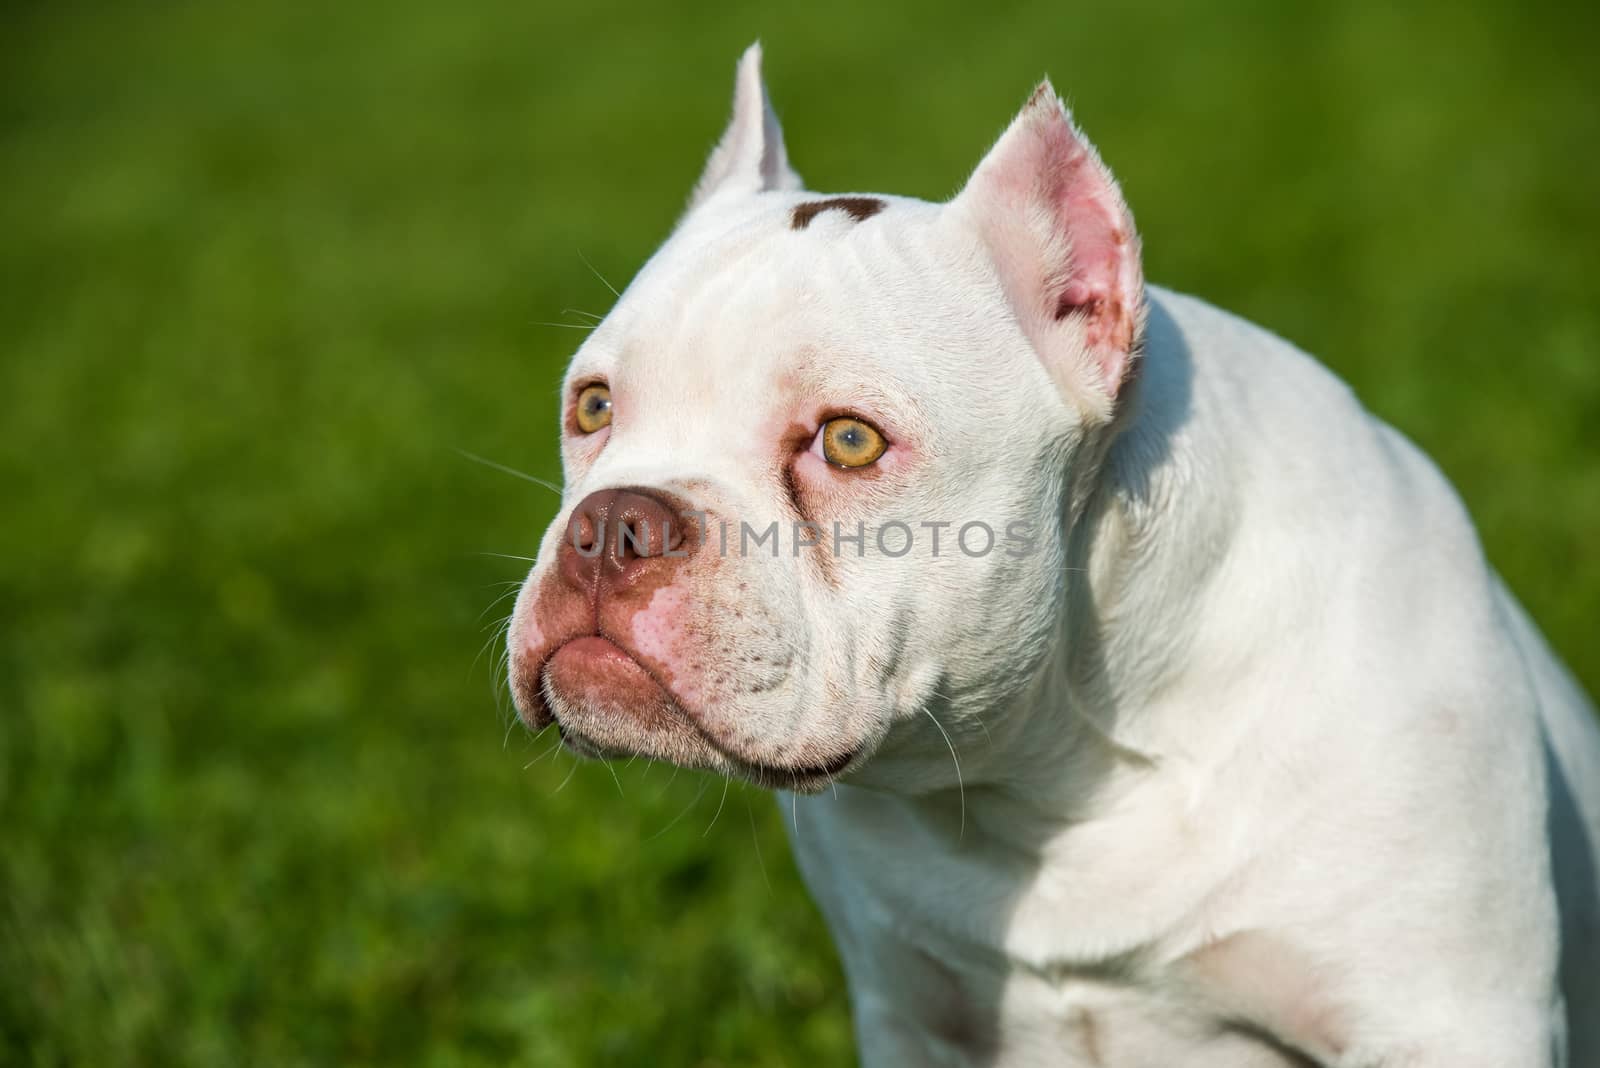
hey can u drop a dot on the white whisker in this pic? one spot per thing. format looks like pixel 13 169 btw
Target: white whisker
pixel 552 750
pixel 668 784
pixel 614 778
pixel 497 633
pixel 568 779
pixel 960 784
pixel 492 605
pixel 975 717
pixel 505 742
pixel 756 839
pixel 598 275
pixel 512 471
pixel 680 815
pixel 724 801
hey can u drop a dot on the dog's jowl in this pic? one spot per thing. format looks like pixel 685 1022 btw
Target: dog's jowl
pixel 1148 702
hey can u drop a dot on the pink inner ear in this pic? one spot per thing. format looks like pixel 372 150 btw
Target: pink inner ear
pixel 1103 276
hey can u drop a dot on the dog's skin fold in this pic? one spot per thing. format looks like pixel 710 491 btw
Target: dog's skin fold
pixel 1237 752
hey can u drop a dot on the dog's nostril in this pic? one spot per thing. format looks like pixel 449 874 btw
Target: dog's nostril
pixel 585 533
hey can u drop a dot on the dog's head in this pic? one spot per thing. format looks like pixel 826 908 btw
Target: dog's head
pixel 818 460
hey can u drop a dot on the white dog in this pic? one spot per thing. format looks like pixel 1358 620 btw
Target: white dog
pixel 1158 702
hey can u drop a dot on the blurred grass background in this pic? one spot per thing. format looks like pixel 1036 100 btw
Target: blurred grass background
pixel 265 267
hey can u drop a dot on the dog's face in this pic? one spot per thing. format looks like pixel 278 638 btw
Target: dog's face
pixel 816 461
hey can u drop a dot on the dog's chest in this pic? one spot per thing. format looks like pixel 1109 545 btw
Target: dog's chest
pixel 921 1007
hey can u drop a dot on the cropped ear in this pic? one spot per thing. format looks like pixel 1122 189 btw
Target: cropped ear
pixel 750 158
pixel 1063 242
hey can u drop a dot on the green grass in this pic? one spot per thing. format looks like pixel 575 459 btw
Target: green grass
pixel 264 268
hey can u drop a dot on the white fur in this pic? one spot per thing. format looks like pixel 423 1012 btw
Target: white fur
pixel 1254 758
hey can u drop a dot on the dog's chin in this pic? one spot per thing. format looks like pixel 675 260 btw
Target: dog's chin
pixel 606 704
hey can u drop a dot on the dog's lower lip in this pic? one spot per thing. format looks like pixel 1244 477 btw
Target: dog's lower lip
pixel 778 776
pixel 832 767
pixel 772 776
pixel 581 745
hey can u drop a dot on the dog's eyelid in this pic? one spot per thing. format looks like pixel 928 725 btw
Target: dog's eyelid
pixel 832 413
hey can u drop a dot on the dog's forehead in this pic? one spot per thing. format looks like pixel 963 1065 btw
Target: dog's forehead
pixel 745 292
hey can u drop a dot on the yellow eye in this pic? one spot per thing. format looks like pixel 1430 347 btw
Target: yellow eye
pixel 848 442
pixel 594 408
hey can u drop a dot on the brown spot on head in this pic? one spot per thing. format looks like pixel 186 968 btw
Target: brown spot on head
pixel 858 208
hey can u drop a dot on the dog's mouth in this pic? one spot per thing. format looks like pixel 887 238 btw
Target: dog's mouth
pixel 607 704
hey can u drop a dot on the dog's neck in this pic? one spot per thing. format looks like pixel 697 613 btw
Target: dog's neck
pixel 1142 549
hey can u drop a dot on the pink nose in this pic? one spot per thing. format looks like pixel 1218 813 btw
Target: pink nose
pixel 614 536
